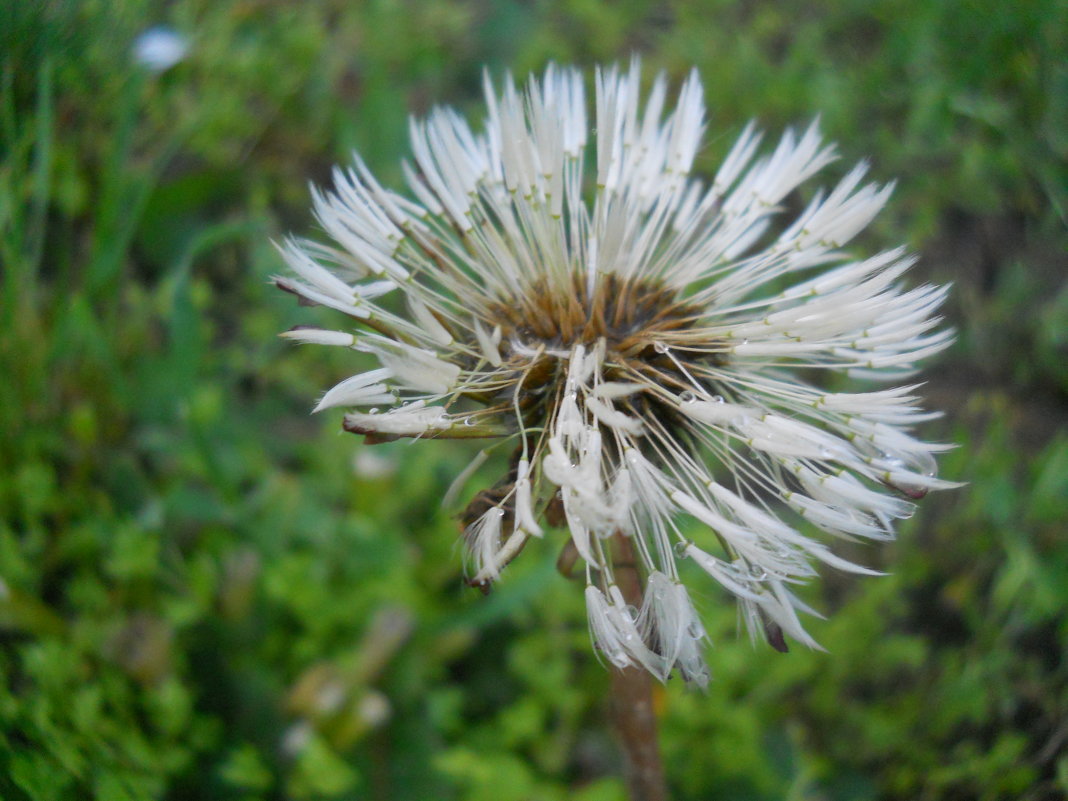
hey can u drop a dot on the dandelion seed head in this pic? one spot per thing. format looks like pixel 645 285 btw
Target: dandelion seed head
pixel 649 347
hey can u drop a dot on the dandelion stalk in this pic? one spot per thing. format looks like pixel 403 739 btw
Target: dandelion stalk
pixel 633 713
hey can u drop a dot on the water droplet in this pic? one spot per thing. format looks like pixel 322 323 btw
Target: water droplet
pixel 745 341
pixel 469 421
pixel 892 461
pixel 695 630
pixel 717 399
pixel 758 574
pixel 687 397
pixel 660 347
pixel 681 549
pixel 826 453
pixel 373 410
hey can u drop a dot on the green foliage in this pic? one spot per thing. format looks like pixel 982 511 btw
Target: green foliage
pixel 204 593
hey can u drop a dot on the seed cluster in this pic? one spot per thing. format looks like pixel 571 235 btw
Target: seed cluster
pixel 626 342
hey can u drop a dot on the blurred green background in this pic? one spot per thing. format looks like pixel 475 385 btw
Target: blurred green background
pixel 208 594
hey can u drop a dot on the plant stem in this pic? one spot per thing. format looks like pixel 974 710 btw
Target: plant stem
pixel 632 698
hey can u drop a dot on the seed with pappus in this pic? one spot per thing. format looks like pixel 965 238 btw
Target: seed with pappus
pixel 642 346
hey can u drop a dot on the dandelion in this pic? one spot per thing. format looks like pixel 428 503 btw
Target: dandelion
pixel 655 357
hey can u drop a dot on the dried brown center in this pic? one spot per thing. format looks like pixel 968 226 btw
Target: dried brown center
pixel 636 319
pixel 627 314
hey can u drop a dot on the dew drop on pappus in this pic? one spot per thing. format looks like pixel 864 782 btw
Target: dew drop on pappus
pixel 894 462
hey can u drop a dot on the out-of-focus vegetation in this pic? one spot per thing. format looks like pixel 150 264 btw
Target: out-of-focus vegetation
pixel 206 594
